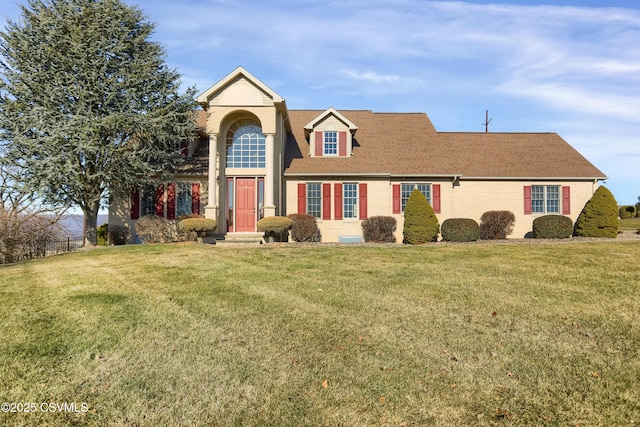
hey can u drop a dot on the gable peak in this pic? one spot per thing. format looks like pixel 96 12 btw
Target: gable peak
pixel 331 112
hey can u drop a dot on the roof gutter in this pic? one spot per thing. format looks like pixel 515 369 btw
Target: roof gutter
pixel 454 176
pixel 536 178
pixel 325 174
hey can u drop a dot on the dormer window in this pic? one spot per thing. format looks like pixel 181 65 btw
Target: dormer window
pixel 330 143
pixel 330 134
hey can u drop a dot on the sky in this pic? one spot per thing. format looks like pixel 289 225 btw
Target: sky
pixel 571 67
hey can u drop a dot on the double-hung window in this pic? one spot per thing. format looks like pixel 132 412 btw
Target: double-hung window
pixel 184 203
pixel 148 199
pixel 545 199
pixel 407 189
pixel 314 199
pixel 330 143
pixel 350 200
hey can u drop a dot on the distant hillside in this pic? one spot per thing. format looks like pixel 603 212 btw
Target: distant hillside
pixel 74 224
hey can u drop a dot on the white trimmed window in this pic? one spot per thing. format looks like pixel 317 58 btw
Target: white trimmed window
pixel 330 143
pixel 545 199
pixel 148 201
pixel 246 145
pixel 407 189
pixel 350 200
pixel 314 199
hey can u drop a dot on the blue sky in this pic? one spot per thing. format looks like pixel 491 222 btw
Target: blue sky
pixel 571 67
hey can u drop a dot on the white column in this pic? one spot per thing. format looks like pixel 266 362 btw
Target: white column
pixel 269 206
pixel 211 210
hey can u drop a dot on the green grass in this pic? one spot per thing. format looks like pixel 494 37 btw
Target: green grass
pixel 466 334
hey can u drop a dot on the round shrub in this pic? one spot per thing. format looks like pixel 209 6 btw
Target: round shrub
pixel 552 227
pixel 460 230
pixel 379 229
pixel 304 228
pixel 495 225
pixel 276 228
pixel 626 212
pixel 198 225
pixel 420 222
pixel 599 217
pixel 275 224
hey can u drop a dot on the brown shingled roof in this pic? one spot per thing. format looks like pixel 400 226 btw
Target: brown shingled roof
pixel 201 119
pixel 198 164
pixel 408 144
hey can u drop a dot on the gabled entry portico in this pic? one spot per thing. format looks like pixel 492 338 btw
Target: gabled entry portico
pixel 247 124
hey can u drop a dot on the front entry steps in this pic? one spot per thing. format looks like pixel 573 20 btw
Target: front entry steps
pixel 232 239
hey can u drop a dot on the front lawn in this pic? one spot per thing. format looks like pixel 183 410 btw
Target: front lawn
pixel 287 335
pixel 629 224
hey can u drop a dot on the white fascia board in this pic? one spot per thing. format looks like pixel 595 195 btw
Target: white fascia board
pixel 203 98
pixel 331 111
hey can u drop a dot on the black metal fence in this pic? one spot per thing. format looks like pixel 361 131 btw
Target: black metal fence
pixel 39 248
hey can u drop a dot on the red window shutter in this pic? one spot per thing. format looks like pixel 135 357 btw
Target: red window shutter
pixel 171 201
pixel 135 204
pixel 326 201
pixel 342 144
pixel 396 198
pixel 362 200
pixel 302 198
pixel 319 144
pixel 566 200
pixel 527 200
pixel 195 198
pixel 436 198
pixel 337 203
pixel 160 200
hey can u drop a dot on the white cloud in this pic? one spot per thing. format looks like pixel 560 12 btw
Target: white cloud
pixel 377 78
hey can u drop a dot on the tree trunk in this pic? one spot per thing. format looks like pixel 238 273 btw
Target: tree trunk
pixel 91 225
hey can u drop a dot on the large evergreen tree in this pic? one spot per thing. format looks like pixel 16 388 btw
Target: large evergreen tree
pixel 88 108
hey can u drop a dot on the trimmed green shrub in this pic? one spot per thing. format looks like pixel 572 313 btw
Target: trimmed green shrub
pixel 379 229
pixel 190 215
pixel 102 233
pixel 304 228
pixel 420 222
pixel 275 224
pixel 626 212
pixel 276 228
pixel 198 225
pixel 460 230
pixel 599 217
pixel 118 234
pixel 552 227
pixel 195 228
pixel 496 225
pixel 153 229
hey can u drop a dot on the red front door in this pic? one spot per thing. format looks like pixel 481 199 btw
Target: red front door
pixel 245 204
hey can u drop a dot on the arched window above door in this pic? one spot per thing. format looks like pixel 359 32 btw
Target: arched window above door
pixel 245 145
